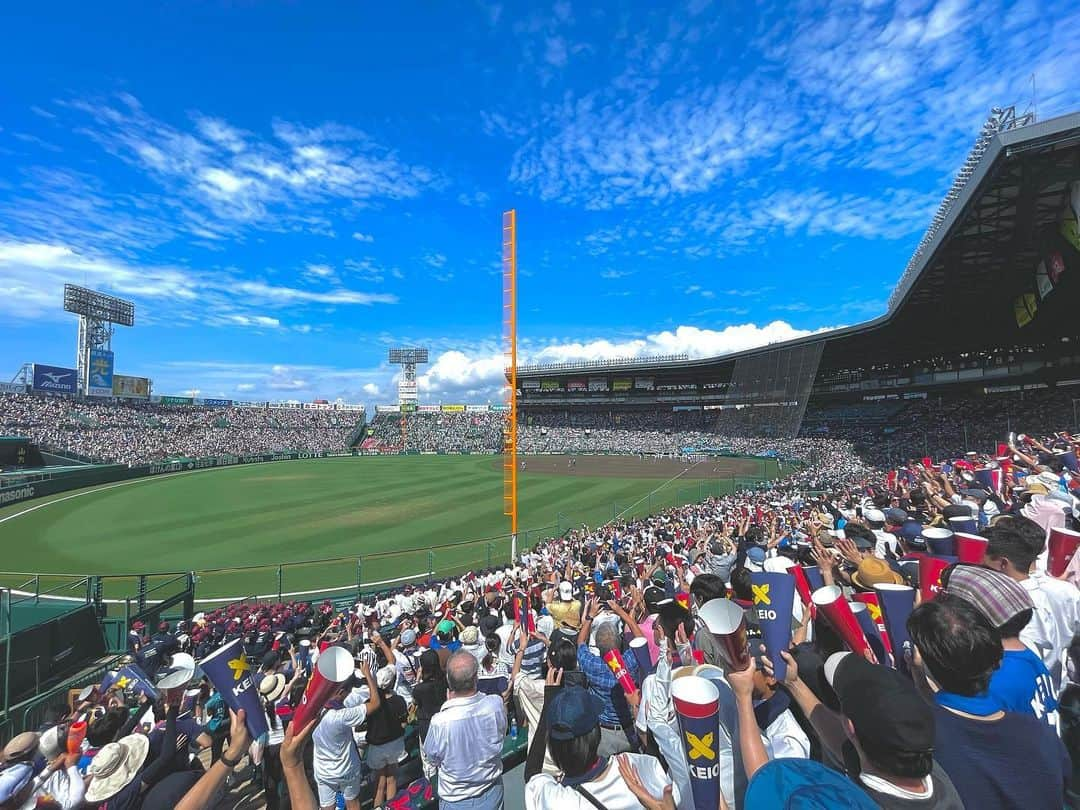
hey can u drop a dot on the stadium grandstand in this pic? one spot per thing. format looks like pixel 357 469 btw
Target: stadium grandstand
pixel 920 559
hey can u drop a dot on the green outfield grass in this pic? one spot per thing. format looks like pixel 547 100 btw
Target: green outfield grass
pixel 399 515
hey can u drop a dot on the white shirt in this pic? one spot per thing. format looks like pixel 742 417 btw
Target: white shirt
pixel 786 738
pixel 465 743
pixel 336 758
pixel 543 792
pixel 1054 622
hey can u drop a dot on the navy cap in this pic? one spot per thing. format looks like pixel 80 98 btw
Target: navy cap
pixel 756 554
pixel 895 516
pixel 573 713
pixel 912 532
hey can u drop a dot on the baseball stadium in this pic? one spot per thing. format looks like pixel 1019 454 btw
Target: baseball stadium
pixel 172 498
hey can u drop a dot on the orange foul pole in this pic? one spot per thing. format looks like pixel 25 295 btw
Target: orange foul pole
pixel 509 318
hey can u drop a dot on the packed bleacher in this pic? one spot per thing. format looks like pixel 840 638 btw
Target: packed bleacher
pixel 908 639
pixel 135 432
pixel 441 432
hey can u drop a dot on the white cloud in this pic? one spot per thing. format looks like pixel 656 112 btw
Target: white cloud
pixel 245 387
pixel 236 179
pixel 33 274
pixel 363 237
pixel 254 320
pixel 479 376
pixel 371 390
pixel 614 274
pixel 319 270
pixel 435 259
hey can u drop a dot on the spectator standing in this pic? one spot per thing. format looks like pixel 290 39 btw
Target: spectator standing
pixel 615 720
pixel 977 743
pixel 465 741
pixel 386 736
pixel 337 763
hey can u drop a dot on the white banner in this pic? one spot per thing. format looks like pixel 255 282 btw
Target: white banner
pixel 12 388
pixel 476 408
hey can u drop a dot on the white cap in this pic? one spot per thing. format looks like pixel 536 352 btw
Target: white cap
pixel 566 591
pixel 874 515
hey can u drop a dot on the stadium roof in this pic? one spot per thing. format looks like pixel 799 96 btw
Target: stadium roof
pixel 963 285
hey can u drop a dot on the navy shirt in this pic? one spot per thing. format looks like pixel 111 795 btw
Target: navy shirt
pixel 1015 762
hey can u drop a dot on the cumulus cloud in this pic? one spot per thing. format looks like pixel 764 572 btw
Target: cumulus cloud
pixel 456 375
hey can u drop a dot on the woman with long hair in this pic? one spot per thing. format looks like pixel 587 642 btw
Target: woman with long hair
pixel 429 695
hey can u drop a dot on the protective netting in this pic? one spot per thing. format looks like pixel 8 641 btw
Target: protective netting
pixel 769 391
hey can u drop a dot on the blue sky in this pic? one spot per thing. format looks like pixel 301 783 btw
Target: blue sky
pixel 286 190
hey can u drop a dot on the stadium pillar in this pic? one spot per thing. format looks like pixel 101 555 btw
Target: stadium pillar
pixel 142 593
pixel 280 578
pixel 513 548
pixel 359 577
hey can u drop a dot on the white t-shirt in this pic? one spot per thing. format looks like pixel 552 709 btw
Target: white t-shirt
pixel 336 758
pixel 543 791
pixel 1056 619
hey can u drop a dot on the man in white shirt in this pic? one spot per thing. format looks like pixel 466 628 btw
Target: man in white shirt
pixel 465 740
pixel 1013 545
pixel 337 763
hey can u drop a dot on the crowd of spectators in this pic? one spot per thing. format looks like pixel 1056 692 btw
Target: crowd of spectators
pixel 130 432
pixel 440 432
pixel 589 644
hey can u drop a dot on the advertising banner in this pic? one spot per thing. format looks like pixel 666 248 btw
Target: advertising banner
pixel 598 384
pixel 644 383
pixel 428 408
pixel 12 388
pixel 621 384
pixel 99 382
pixel 476 408
pixel 530 385
pixel 550 385
pixel 218 403
pixel 167 400
pixel 408 407
pixel 453 408
pixel 391 408
pixel 130 387
pixel 54 379
pixel 501 408
pixel 577 385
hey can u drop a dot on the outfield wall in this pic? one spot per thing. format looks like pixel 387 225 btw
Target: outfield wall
pixel 112 473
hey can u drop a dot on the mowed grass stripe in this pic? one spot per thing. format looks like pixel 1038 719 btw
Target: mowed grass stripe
pixel 386 510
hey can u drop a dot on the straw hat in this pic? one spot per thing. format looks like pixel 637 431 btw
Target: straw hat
pixel 272 687
pixel 874 571
pixel 114 766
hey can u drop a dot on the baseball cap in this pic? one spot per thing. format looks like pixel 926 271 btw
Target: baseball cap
pixel 956 510
pixel 756 554
pixel 574 712
pixel 566 591
pixel 884 707
pixel 385 677
pixel 408 637
pixel 998 597
pixel 895 516
pixel 874 516
pixel 444 627
pixel 470 635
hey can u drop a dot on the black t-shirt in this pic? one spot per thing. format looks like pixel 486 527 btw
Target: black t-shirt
pixel 1015 762
pixel 384 724
pixel 943 796
pixel 429 697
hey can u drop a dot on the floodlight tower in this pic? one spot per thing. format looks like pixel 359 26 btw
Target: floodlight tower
pixel 408 358
pixel 97 314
